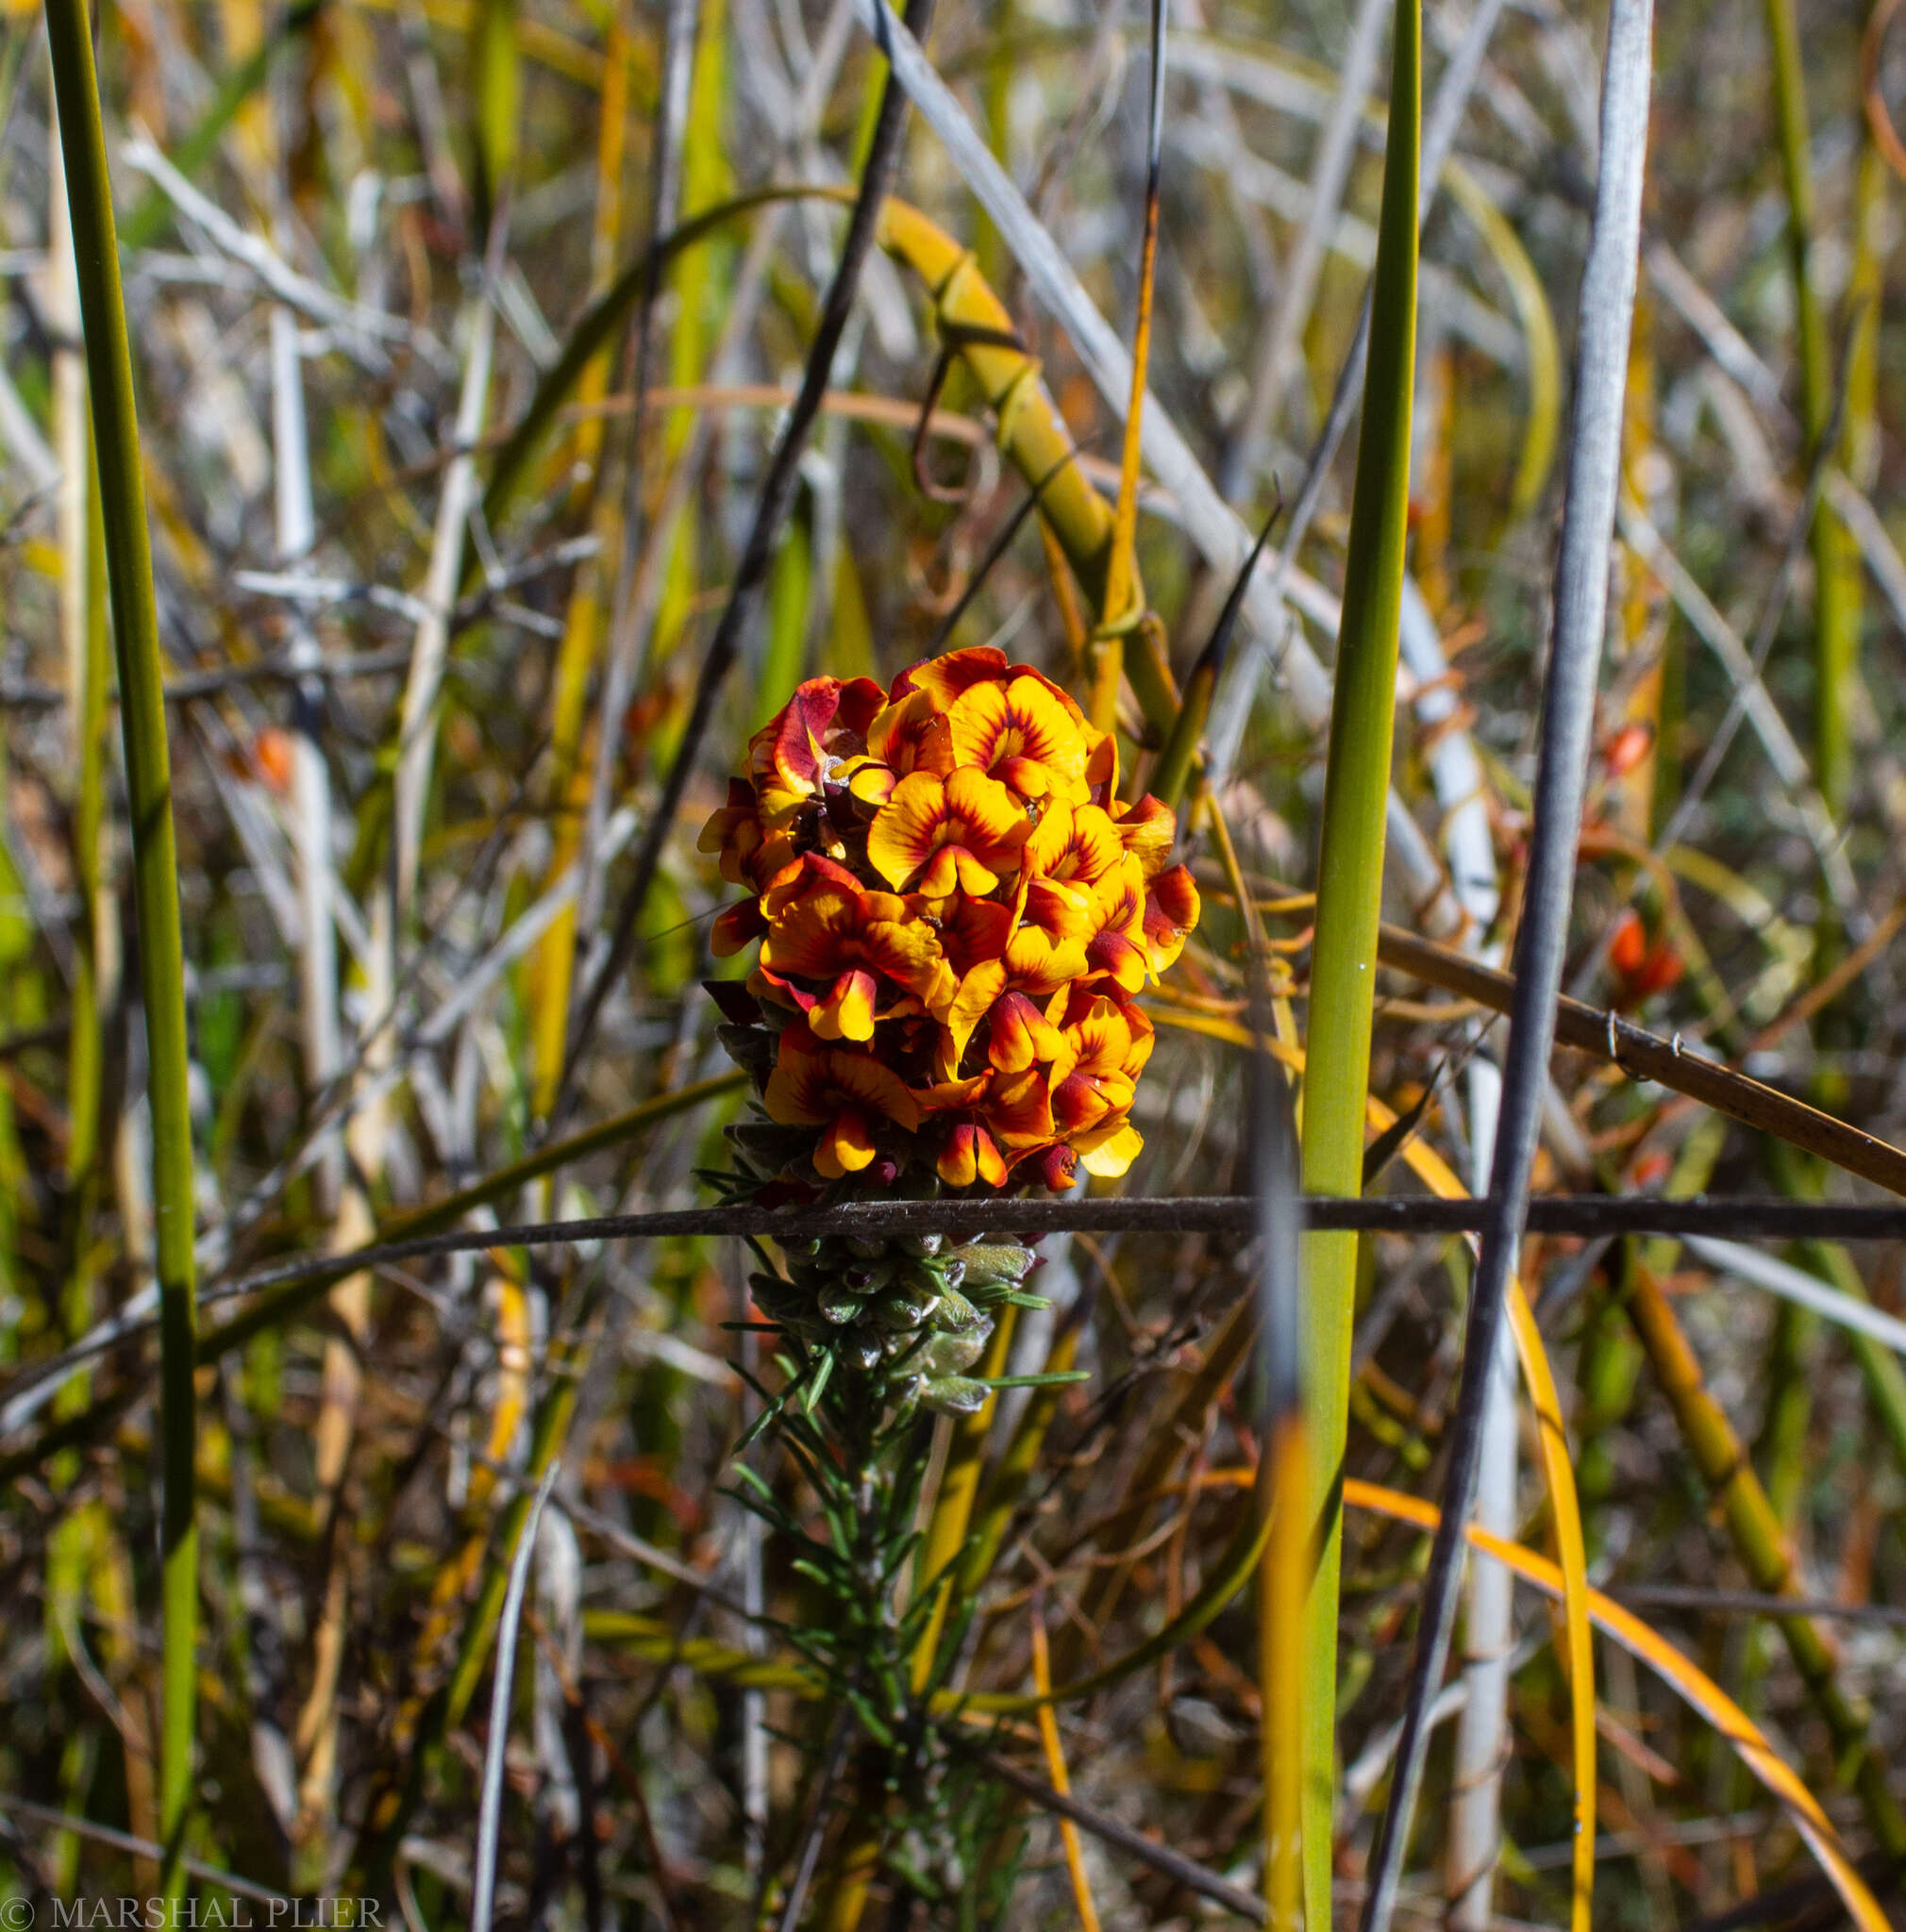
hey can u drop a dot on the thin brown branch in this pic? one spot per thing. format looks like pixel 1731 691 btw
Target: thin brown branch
pixel 1175 1865
pixel 1644 1056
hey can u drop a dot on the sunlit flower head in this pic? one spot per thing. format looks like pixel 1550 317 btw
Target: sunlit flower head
pixel 955 913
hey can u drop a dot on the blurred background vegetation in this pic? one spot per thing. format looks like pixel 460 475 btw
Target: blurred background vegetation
pixel 418 719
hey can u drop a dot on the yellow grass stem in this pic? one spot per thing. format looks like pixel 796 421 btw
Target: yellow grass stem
pixel 1572 1547
pixel 1558 1469
pixel 1245 1551
pixel 552 966
pixel 1542 426
pixel 1056 1772
pixel 496 87
pixel 654 1641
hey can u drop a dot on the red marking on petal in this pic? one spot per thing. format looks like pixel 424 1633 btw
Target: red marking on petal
pixel 943 679
pixel 861 702
pixel 736 926
pixel 1076 1104
pixel 1018 1108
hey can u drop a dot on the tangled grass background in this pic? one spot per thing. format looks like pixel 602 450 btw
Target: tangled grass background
pixel 449 479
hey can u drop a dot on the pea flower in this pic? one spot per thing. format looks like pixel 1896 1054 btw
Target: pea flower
pixel 955 912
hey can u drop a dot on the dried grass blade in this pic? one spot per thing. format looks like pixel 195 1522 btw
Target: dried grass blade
pixel 489 1806
pixel 1544 372
pixel 1575 1593
pixel 681 29
pixel 1302 268
pixel 1685 1677
pixel 1836 614
pixel 1760 1541
pixel 595 330
pixel 1274 640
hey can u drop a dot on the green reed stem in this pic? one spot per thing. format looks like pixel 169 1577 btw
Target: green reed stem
pixel 148 779
pixel 85 1042
pixel 1350 892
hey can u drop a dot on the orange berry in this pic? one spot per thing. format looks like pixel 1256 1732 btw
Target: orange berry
pixel 1629 747
pixel 1628 949
pixel 1662 969
pixel 273 750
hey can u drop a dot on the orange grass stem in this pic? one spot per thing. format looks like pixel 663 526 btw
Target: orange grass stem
pixel 1754 1529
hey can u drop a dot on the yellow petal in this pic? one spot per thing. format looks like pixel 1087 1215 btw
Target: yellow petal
pixel 1109 1150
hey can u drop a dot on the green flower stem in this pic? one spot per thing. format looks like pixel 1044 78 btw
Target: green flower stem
pixel 1350 892
pixel 946 1529
pixel 148 779
pixel 1012 1481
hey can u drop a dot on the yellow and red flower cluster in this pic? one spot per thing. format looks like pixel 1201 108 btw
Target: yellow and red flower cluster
pixel 955 913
